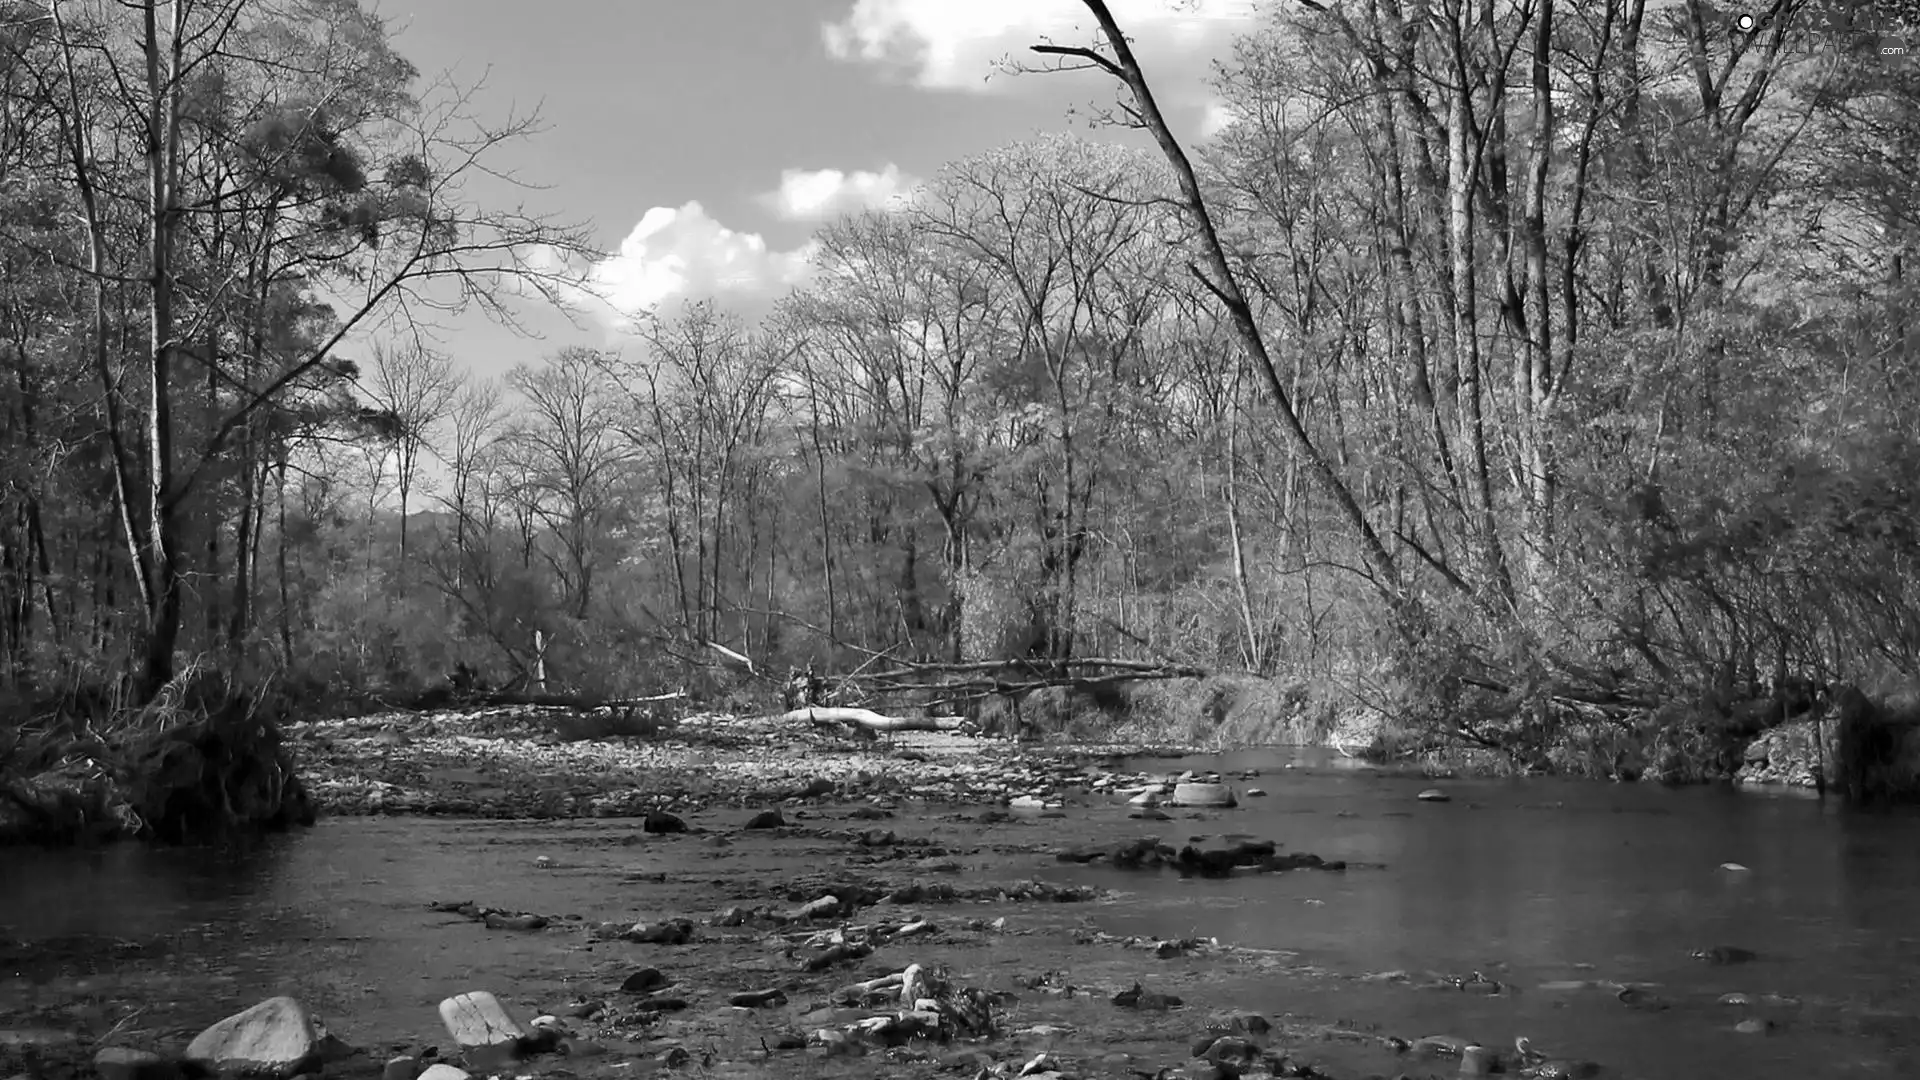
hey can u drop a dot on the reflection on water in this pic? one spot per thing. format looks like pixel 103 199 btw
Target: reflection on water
pixel 128 891
pixel 1549 880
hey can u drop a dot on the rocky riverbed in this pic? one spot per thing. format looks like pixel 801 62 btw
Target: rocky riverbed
pixel 527 762
pixel 746 898
pixel 845 940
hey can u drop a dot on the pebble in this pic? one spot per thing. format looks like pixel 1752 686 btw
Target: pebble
pixel 1434 795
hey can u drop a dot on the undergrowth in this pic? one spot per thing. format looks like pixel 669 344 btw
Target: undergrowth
pixel 203 758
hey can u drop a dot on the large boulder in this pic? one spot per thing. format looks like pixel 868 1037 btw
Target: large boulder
pixel 276 1038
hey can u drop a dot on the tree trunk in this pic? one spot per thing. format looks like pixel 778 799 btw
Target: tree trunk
pixel 1534 374
pixel 162 540
pixel 1255 654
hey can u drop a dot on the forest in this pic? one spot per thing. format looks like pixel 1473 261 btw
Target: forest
pixel 1500 366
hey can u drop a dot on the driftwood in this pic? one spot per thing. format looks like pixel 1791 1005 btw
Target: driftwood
pixel 968 681
pixel 738 658
pixel 872 721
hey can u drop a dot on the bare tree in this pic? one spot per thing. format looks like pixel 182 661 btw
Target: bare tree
pixel 413 388
pixel 569 445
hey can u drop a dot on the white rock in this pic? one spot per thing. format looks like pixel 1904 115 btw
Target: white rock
pixel 1203 794
pixel 477 1018
pixel 912 986
pixel 443 1071
pixel 276 1038
pixel 1434 795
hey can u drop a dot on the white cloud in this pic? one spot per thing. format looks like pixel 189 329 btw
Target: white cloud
pixel 1215 118
pixel 955 45
pixel 815 194
pixel 684 254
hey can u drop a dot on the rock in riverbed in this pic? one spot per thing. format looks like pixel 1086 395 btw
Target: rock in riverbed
pixel 1244 855
pixel 645 981
pixel 477 1019
pixel 1204 794
pixel 659 821
pixel 276 1038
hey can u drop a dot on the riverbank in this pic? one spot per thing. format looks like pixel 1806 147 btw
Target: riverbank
pixel 168 777
pixel 560 763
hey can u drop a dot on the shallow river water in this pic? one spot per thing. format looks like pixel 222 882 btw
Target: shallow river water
pixel 1542 881
pixel 1537 884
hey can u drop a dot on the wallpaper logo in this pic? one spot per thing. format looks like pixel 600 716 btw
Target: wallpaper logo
pixel 1872 26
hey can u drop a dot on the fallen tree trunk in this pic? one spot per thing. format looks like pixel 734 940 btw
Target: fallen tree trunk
pixel 873 721
pixel 738 658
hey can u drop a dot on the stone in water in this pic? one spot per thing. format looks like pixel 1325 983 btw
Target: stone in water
pixel 276 1038
pixel 1203 794
pixel 477 1018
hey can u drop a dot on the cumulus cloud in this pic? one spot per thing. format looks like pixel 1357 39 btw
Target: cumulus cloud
pixel 952 45
pixel 683 253
pixel 815 194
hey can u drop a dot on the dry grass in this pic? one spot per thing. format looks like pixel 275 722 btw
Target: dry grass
pixel 203 754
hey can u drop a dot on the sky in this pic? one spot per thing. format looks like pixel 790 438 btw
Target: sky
pixel 706 140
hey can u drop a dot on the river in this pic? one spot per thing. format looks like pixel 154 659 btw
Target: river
pixel 1538 884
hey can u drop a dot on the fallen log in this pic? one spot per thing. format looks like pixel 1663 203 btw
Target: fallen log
pixel 738 658
pixel 845 716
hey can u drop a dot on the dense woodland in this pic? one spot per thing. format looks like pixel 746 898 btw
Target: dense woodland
pixel 1498 356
